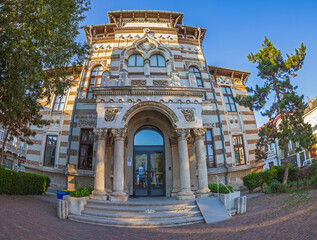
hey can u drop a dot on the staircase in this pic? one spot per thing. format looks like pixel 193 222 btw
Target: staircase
pixel 140 213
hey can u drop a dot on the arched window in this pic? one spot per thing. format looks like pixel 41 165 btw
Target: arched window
pixel 198 76
pixel 157 61
pixel 135 60
pixel 148 135
pixel 94 81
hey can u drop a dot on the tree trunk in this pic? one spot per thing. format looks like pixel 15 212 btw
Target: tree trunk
pixel 285 163
pixel 6 133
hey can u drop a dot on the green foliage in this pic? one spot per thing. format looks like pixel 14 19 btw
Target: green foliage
pixel 277 187
pixel 313 167
pixel 287 108
pixel 222 188
pixel 254 180
pixel 37 46
pixel 281 171
pixel 81 192
pixel 16 183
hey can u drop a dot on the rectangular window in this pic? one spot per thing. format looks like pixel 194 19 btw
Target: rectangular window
pixel 209 148
pixel 86 149
pixel 1 134
pixel 238 149
pixel 227 95
pixel 50 150
pixel 59 103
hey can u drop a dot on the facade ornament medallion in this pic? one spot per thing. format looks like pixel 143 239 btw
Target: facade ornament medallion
pixel 199 133
pixel 100 133
pixel 119 133
pixel 209 125
pixel 160 83
pixel 189 115
pixel 110 114
pixel 138 82
pixel 182 133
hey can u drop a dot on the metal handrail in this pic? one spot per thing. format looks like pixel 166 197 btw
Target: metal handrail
pixel 218 179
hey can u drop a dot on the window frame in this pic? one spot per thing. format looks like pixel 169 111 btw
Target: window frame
pixel 206 144
pixel 85 143
pixel 197 77
pixel 157 61
pixel 239 146
pixel 96 76
pixel 61 102
pixel 135 60
pixel 51 146
pixel 228 96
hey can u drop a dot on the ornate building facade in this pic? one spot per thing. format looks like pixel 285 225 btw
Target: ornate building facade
pixel 147 116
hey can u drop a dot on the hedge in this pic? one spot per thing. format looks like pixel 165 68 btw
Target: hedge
pixel 222 188
pixel 254 180
pixel 20 183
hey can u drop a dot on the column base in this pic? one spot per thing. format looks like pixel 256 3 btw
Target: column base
pixel 118 197
pixel 98 195
pixel 204 190
pixel 203 195
pixel 185 195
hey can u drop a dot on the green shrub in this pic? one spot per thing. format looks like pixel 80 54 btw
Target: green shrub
pixel 303 173
pixel 280 172
pixel 254 180
pixel 313 167
pixel 277 187
pixel 81 192
pixel 17 183
pixel 222 188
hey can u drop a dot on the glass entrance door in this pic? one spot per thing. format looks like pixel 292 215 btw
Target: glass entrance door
pixel 148 173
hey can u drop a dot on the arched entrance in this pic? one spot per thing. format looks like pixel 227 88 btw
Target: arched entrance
pixel 149 162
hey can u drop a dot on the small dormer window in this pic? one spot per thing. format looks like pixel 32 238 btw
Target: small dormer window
pixel 136 60
pixel 157 61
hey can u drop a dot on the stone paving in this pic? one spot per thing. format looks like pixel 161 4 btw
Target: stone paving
pixel 274 216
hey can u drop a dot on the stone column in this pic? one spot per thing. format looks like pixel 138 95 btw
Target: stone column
pixel 185 193
pixel 118 194
pixel 203 190
pixel 99 192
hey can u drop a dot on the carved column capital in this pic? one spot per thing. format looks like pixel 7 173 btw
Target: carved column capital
pixel 182 133
pixel 119 133
pixel 100 133
pixel 199 133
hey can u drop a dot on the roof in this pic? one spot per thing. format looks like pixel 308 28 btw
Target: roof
pixel 234 73
pixel 152 15
pixel 274 121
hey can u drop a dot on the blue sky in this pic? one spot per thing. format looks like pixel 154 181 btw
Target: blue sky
pixel 236 28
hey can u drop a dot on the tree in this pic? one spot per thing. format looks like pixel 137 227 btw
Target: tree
pixel 37 46
pixel 285 105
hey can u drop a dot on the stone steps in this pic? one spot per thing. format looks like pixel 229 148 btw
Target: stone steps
pixel 135 223
pixel 136 213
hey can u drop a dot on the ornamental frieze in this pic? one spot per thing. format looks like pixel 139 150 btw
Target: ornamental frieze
pixel 189 115
pixel 110 114
pixel 86 120
pixel 98 62
pixel 138 82
pixel 223 80
pixel 160 83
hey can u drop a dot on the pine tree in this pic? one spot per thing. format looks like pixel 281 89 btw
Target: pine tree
pixel 277 91
pixel 37 46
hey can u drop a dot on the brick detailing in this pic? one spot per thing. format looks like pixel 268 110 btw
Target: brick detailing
pixel 254 131
pixel 34 152
pixel 252 141
pixel 249 122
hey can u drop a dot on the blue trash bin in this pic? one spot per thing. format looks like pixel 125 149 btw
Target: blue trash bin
pixel 61 194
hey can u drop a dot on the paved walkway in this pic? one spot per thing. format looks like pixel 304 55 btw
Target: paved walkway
pixel 278 216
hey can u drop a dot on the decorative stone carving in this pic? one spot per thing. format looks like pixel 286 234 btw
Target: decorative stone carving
pixel 176 81
pixel 237 81
pixel 223 80
pixel 182 133
pixel 189 64
pixel 123 76
pixel 209 125
pixel 100 133
pixel 146 46
pixel 119 133
pixel 170 114
pixel 138 82
pixel 192 79
pixel 110 114
pixel 199 133
pixel 98 62
pixel 189 115
pixel 160 83
pixel 86 120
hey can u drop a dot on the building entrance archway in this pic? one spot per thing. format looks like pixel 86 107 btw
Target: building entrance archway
pixel 149 163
